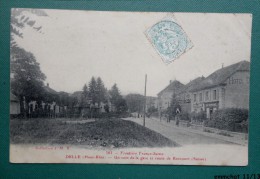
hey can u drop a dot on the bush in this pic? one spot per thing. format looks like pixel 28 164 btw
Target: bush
pixel 207 130
pixel 200 116
pixel 225 134
pixel 184 116
pixel 113 115
pixel 155 114
pixel 230 119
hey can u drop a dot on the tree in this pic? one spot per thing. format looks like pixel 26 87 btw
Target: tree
pixel 152 109
pixel 101 92
pixel 174 106
pixel 64 98
pixel 114 95
pixel 20 20
pixel 85 91
pixel 135 102
pixel 121 105
pixel 92 93
pixel 84 95
pixel 117 100
pixel 28 80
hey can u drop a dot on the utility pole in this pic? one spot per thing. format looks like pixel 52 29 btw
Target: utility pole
pixel 145 98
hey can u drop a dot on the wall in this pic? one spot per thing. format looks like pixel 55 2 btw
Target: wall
pixel 14 107
pixel 235 94
pixel 200 104
pixel 237 91
pixel 165 99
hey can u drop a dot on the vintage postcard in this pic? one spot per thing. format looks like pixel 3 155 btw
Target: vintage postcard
pixel 129 87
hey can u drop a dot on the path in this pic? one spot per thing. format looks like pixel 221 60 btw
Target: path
pixel 181 135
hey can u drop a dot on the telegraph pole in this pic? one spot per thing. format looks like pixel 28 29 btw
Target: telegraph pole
pixel 145 98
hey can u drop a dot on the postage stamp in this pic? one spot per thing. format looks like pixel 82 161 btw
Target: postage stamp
pixel 169 39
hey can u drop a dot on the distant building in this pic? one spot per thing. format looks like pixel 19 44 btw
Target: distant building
pixel 14 105
pixel 182 93
pixel 165 96
pixel 227 87
pixel 184 96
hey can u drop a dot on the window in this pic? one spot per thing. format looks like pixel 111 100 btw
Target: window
pixel 194 97
pixel 207 96
pixel 214 94
pixel 200 97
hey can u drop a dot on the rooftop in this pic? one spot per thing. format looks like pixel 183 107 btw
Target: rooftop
pixel 220 76
pixel 174 86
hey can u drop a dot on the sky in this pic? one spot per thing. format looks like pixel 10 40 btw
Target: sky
pixel 75 45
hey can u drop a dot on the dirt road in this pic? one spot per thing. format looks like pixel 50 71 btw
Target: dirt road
pixel 178 134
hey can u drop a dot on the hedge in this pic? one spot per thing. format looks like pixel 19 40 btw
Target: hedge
pixel 231 119
pixel 184 116
pixel 200 116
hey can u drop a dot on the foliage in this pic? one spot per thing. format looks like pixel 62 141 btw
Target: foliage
pixel 21 18
pixel 121 105
pixel 117 100
pixel 101 91
pixel 151 110
pixel 135 102
pixel 114 94
pixel 106 133
pixel 232 119
pixel 64 99
pixel 171 110
pixel 85 91
pixel 28 79
pixel 200 116
pixel 225 134
pixel 92 92
pixel 184 116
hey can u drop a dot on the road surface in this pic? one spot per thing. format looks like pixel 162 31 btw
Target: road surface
pixel 182 136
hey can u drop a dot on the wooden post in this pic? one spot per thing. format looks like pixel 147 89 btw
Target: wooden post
pixel 145 98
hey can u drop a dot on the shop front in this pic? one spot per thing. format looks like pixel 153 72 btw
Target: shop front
pixel 210 107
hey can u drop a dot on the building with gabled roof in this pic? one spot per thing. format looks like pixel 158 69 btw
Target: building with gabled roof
pixel 165 96
pixel 227 87
pixel 184 96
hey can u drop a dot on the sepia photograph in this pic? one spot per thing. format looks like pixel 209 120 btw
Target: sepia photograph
pixel 161 88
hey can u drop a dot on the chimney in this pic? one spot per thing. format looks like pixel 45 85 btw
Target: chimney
pixel 170 81
pixel 47 84
pixel 222 65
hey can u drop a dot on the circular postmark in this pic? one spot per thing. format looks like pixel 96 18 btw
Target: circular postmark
pixel 169 39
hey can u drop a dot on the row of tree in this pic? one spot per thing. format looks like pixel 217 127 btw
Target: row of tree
pixel 95 93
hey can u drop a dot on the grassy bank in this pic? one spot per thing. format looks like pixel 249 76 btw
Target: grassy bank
pixel 107 133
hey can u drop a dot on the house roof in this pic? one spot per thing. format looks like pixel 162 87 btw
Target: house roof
pixel 13 97
pixel 220 76
pixel 192 84
pixel 174 86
